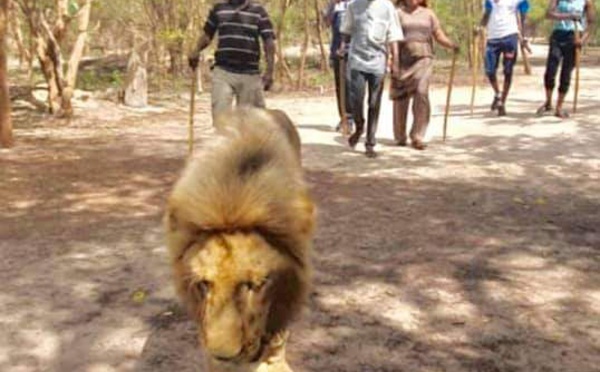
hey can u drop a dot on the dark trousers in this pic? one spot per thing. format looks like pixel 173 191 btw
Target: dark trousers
pixel 562 47
pixel 336 64
pixel 359 81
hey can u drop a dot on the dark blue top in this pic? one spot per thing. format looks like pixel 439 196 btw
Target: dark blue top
pixel 337 13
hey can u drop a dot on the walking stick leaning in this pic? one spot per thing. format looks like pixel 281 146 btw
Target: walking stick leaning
pixel 342 89
pixel 577 66
pixel 475 66
pixel 192 110
pixel 450 83
pixel 525 49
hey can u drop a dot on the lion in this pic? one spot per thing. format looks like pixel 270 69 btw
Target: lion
pixel 239 227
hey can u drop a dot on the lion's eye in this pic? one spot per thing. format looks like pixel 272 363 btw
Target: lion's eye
pixel 203 287
pixel 255 286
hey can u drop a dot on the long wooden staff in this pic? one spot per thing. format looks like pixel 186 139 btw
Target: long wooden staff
pixel 342 89
pixel 525 49
pixel 192 110
pixel 473 44
pixel 450 83
pixel 475 65
pixel 577 67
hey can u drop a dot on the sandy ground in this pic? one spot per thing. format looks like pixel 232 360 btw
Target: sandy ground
pixel 478 254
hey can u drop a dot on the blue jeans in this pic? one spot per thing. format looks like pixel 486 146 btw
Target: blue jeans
pixel 358 84
pixel 507 47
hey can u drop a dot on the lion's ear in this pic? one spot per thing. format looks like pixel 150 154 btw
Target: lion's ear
pixel 306 219
pixel 179 235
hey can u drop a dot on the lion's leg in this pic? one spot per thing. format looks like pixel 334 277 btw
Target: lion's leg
pixel 274 357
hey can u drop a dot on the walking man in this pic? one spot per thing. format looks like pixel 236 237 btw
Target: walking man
pixel 333 16
pixel 502 19
pixel 568 16
pixel 238 24
pixel 372 28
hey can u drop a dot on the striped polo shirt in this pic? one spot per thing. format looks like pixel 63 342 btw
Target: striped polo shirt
pixel 238 28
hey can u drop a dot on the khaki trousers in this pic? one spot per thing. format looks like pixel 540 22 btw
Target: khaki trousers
pixel 245 88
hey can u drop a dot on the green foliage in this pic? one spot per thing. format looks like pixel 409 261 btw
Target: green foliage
pixel 92 80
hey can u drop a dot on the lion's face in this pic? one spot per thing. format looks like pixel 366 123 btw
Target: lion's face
pixel 241 291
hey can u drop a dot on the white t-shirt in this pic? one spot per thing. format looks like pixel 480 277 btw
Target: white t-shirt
pixel 503 17
pixel 372 25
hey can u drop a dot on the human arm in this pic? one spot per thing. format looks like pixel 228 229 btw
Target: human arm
pixel 590 16
pixel 328 12
pixel 487 11
pixel 440 36
pixel 553 13
pixel 522 10
pixel 269 48
pixel 265 28
pixel 346 28
pixel 210 28
pixel 394 37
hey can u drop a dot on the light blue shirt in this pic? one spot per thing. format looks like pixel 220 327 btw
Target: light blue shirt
pixel 570 7
pixel 372 25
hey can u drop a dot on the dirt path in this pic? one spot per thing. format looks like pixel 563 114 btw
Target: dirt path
pixel 481 254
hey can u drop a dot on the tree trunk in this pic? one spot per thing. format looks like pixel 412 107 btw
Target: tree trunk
pixel 136 84
pixel 6 139
pixel 300 79
pixel 281 66
pixel 324 61
pixel 15 28
pixel 83 21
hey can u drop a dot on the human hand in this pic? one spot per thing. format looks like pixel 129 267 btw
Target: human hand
pixel 194 60
pixel 267 80
pixel 477 30
pixel 395 70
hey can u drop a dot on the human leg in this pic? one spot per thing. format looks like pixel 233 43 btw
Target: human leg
pixel 375 92
pixel 509 59
pixel 552 64
pixel 222 92
pixel 357 87
pixel 400 118
pixel 492 57
pixel 568 64
pixel 249 90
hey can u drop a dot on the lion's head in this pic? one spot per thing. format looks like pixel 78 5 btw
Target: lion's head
pixel 241 291
pixel 239 227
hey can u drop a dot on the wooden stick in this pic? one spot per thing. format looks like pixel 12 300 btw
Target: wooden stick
pixel 342 88
pixel 192 110
pixel 577 67
pixel 475 65
pixel 525 50
pixel 450 83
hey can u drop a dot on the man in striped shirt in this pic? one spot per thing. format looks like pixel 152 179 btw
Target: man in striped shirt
pixel 238 25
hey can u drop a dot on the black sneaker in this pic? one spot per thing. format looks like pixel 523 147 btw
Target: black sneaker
pixel 370 153
pixel 353 139
pixel 496 103
pixel 501 110
pixel 544 109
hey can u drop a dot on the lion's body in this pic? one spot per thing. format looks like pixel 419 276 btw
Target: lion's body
pixel 239 228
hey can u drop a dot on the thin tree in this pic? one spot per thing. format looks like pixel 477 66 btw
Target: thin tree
pixel 324 64
pixel 6 139
pixel 306 39
pixel 48 26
